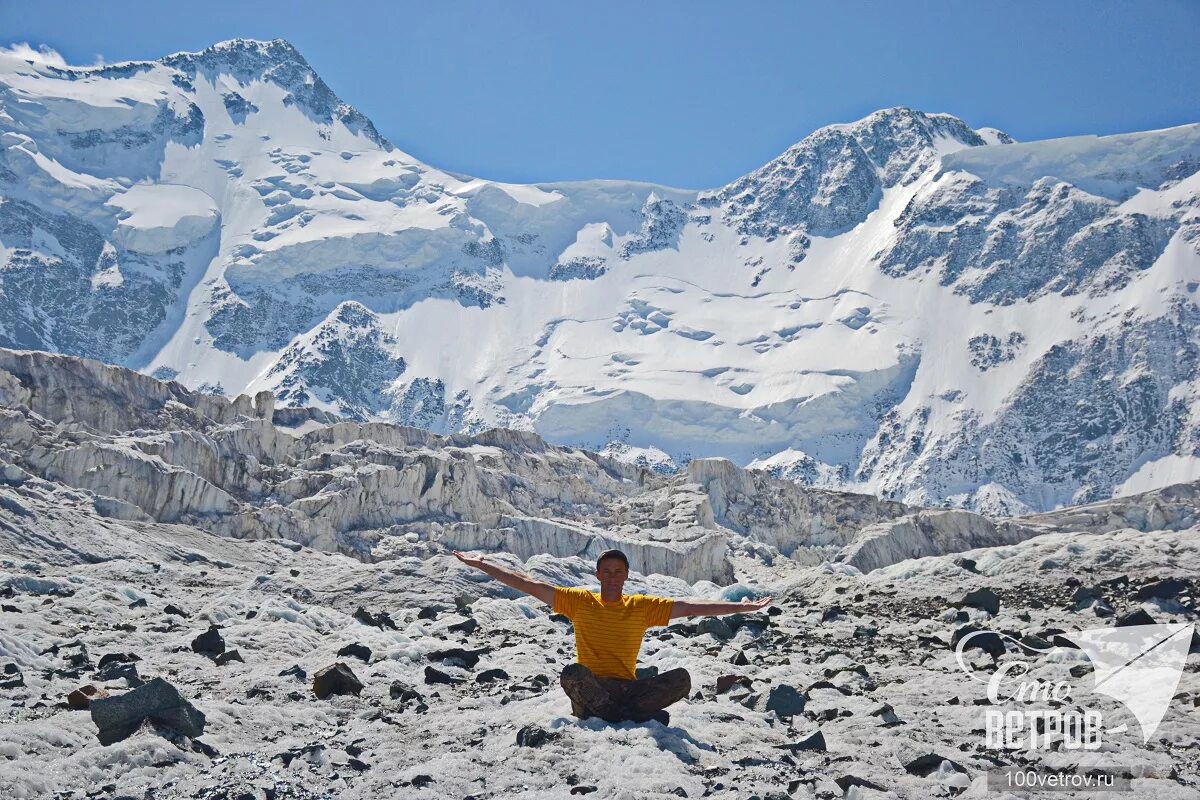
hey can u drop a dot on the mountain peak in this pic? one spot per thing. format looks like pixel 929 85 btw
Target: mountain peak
pixel 829 181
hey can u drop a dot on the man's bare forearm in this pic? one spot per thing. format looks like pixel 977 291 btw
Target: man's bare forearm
pixel 714 608
pixel 504 575
pixel 517 580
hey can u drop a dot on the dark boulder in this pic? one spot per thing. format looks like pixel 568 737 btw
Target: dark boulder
pixel 117 658
pixel 814 742
pixel 81 699
pixel 489 675
pixel 209 643
pixel 228 656
pixel 403 692
pixel 468 658
pixel 336 679
pixel 987 641
pixel 1167 588
pixel 381 620
pixel 785 701
pixel 985 599
pixel 533 736
pixel 117 670
pixel 118 717
pixel 726 682
pixel 1135 617
pixel 357 650
pixel 928 763
pixel 433 676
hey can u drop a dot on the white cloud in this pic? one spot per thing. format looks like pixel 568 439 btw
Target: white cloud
pixel 42 54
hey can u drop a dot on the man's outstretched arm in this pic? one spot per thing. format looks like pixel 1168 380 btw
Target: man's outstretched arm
pixel 522 583
pixel 715 608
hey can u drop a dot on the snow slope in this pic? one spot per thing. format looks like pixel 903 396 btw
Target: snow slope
pixel 900 305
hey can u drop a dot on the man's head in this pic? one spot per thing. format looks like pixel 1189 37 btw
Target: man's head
pixel 612 570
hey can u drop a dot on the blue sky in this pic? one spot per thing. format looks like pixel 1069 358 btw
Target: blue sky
pixel 689 94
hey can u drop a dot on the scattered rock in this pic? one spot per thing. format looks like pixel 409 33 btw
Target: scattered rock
pixel 716 626
pixel 230 655
pixel 968 564
pixel 785 701
pixel 81 699
pixel 823 684
pixel 175 611
pixel 489 675
pixel 209 643
pixel 814 742
pixel 582 789
pixel 739 659
pixel 1136 617
pixel 466 627
pixel 422 780
pixel 533 736
pixel 433 676
pixel 116 670
pixel 430 612
pixel 987 641
pixel 928 763
pixel 887 716
pixel 337 678
pixel 357 650
pixel 118 717
pixel 381 620
pixel 1166 588
pixel 832 613
pixel 846 781
pixel 139 603
pixel 985 599
pixel 294 670
pixel 726 682
pixel 295 573
pixel 403 692
pixel 117 658
pixel 468 658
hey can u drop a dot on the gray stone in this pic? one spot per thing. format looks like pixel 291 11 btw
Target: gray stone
pixel 119 716
pixel 337 678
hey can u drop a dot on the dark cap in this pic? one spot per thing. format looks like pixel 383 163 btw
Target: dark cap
pixel 612 554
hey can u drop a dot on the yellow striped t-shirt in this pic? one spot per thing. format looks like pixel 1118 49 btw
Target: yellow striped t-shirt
pixel 608 636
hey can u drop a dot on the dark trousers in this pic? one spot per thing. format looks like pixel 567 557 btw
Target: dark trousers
pixel 616 700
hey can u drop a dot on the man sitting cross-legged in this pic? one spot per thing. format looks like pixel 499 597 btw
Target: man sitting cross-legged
pixel 609 627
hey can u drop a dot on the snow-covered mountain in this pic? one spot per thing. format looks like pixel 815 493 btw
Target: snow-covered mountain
pixel 902 305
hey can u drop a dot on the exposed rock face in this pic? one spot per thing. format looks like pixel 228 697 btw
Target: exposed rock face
pixel 829 182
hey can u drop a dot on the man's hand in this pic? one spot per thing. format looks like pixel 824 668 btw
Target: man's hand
pixel 470 561
pixel 522 583
pixel 715 608
pixel 755 605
